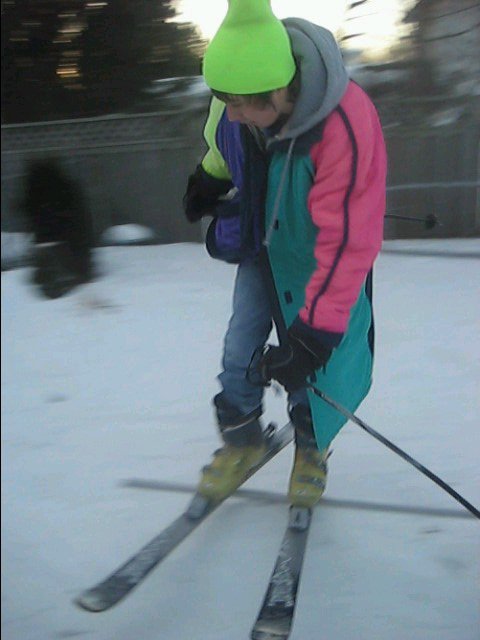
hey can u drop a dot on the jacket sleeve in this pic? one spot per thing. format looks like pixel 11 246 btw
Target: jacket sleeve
pixel 213 162
pixel 347 205
pixel 211 178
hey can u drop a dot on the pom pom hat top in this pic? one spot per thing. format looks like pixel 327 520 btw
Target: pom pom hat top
pixel 251 51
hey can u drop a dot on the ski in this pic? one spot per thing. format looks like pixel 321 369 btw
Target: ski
pixel 275 619
pixel 116 586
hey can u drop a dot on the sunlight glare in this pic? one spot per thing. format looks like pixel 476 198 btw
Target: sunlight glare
pixel 208 15
pixel 377 21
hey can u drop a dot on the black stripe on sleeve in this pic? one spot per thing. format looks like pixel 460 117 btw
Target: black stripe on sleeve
pixel 346 212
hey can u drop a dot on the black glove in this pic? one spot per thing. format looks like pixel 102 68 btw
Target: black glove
pixel 292 363
pixel 201 196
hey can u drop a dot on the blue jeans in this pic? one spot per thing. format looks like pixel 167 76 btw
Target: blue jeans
pixel 248 330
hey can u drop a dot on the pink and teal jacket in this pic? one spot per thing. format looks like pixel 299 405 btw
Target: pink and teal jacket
pixel 323 203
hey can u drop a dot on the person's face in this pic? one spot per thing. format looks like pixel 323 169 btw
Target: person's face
pixel 259 115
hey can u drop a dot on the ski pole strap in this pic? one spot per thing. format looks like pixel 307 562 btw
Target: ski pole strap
pixel 351 416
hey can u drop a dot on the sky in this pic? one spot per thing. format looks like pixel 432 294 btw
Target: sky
pixel 208 15
pixel 378 18
pixel 107 391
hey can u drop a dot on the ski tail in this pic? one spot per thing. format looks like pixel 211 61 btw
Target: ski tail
pixel 275 619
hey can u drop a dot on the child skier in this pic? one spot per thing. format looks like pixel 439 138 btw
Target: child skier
pixel 295 178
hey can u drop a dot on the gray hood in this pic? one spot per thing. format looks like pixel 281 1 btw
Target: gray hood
pixel 324 78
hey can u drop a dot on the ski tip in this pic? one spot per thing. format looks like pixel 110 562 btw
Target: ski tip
pixel 91 600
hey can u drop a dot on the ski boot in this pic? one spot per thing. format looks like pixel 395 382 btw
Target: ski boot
pixel 244 446
pixel 309 473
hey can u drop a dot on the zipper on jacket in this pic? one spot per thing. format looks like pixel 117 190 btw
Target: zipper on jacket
pixel 278 195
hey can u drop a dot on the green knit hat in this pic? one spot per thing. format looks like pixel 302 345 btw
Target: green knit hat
pixel 251 52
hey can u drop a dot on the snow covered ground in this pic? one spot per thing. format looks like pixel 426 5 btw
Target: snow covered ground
pixel 113 383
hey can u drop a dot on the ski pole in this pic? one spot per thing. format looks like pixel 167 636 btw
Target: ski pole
pixel 429 221
pixel 351 416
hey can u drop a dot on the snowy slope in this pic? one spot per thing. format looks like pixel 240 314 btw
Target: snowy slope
pixel 113 383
